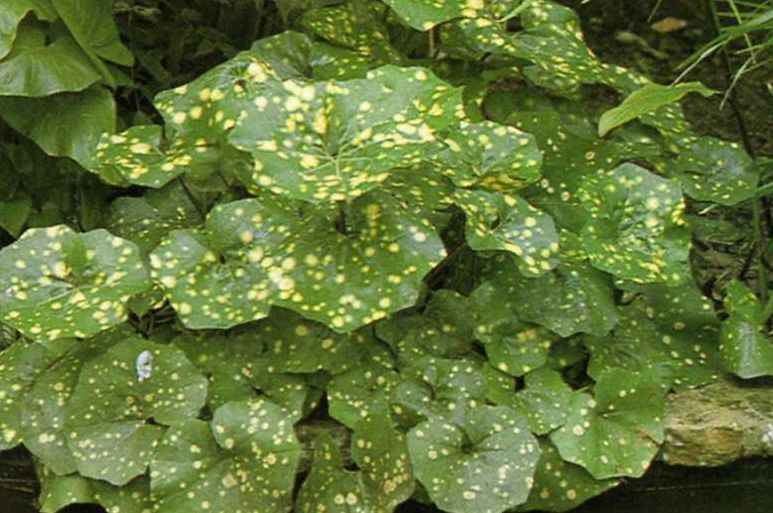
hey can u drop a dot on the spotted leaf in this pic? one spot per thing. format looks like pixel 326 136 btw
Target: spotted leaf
pixel 744 348
pixel 238 370
pixel 560 485
pixel 713 170
pixel 272 251
pixel 110 405
pixel 438 387
pixel 21 365
pixel 490 156
pixel 57 283
pixel 334 141
pixel 510 223
pixel 383 480
pixel 58 492
pixel 361 392
pixel 486 464
pixel 616 433
pixel 425 14
pixel 682 352
pixel 244 460
pixel 637 229
pixel 545 400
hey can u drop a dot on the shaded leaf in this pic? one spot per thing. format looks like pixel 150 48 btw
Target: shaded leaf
pixel 744 348
pixel 473 467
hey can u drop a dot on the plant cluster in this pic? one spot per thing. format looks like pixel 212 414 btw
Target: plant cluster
pixel 403 249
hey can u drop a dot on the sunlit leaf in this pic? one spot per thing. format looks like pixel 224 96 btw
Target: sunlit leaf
pixel 56 283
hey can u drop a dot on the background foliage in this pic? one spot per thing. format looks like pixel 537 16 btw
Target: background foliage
pixel 335 255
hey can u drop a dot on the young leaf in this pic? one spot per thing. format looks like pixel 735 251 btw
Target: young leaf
pixel 56 283
pixel 744 348
pixel 617 433
pixel 637 229
pixel 510 223
pixel 489 156
pixel 485 464
pixel 245 460
pixel 647 99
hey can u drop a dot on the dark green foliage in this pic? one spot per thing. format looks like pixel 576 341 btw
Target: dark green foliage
pixel 423 224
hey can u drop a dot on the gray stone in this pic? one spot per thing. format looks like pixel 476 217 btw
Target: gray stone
pixel 719 423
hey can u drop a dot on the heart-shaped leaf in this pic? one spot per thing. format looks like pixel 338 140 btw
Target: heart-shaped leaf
pixel 617 433
pixel 56 283
pixel 485 464
pixel 638 231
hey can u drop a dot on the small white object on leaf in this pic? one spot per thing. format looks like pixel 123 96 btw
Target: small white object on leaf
pixel 144 365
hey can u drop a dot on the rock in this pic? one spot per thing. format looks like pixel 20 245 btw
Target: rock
pixel 719 423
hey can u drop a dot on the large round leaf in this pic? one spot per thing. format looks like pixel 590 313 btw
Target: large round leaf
pixel 637 229
pixel 117 393
pixel 484 465
pixel 618 432
pixel 271 251
pixel 56 283
pixel 244 461
pixel 334 141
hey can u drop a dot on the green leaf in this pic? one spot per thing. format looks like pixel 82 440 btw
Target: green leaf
pixel 335 141
pixel 116 394
pixel 357 26
pixel 65 124
pixel 383 480
pixel 560 485
pixel 744 348
pixel 361 392
pixel 485 464
pixel 678 344
pixel 713 170
pixel 438 387
pixel 14 214
pixel 573 298
pixel 245 460
pixel 647 99
pixel 489 156
pixel 271 251
pixel 137 156
pixel 637 230
pixel 510 223
pixel 96 33
pixel 545 400
pixel 40 69
pixel 146 220
pixel 21 365
pixel 46 401
pixel 58 492
pixel 11 14
pixel 238 370
pixel 425 14
pixel 618 432
pixel 57 283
